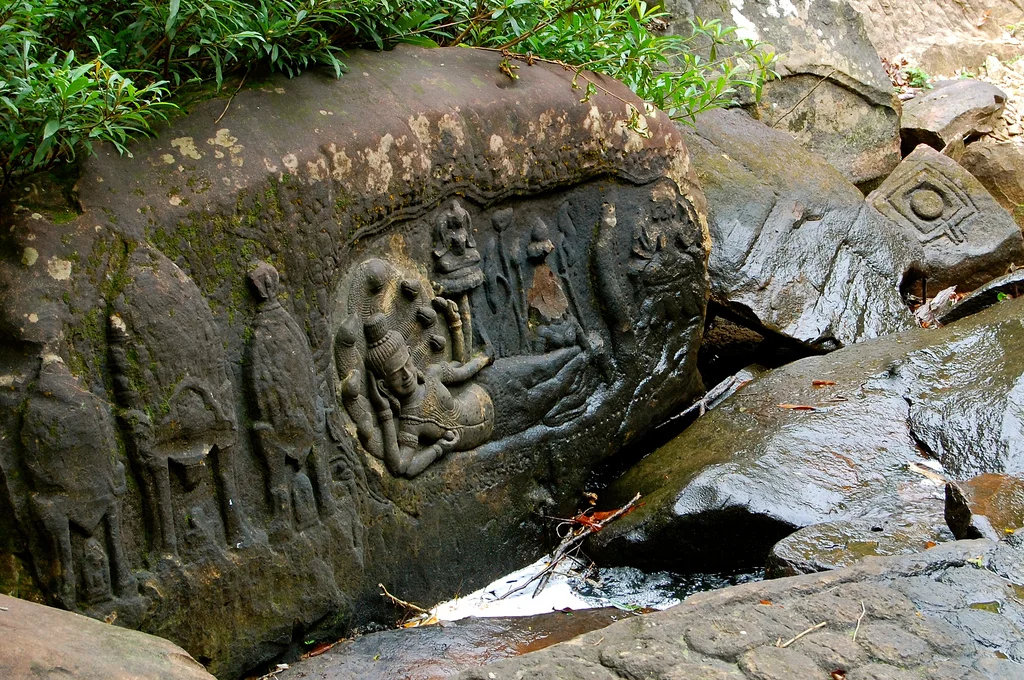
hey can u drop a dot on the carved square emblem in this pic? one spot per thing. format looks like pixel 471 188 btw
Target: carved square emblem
pixel 931 203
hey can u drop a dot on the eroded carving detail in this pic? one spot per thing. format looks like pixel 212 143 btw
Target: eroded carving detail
pixel 71 456
pixel 171 377
pixel 291 419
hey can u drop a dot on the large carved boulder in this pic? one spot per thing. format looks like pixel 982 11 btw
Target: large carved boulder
pixel 851 437
pixel 356 331
pixel 795 249
pixel 834 96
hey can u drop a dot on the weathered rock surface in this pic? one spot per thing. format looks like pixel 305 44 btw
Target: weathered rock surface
pixel 440 651
pixel 953 111
pixel 967 237
pixel 999 166
pixel 834 545
pixel 834 96
pixel 357 332
pixel 782 454
pixel 43 642
pixel 993 292
pixel 795 249
pixel 956 611
pixel 942 36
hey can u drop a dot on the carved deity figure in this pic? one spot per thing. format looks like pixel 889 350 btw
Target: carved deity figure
pixel 431 420
pixel 171 376
pixel 457 264
pixel 291 421
pixel 71 456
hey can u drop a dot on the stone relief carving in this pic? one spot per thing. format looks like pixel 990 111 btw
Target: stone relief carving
pixel 393 353
pixel 291 422
pixel 171 379
pixel 930 204
pixel 77 484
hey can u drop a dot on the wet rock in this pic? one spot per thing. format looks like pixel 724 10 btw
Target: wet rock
pixel 928 615
pixel 782 453
pixel 987 506
pixel 953 111
pixel 834 96
pixel 941 36
pixel 834 545
pixel 795 249
pixel 996 290
pixel 999 166
pixel 439 651
pixel 43 642
pixel 967 237
pixel 358 331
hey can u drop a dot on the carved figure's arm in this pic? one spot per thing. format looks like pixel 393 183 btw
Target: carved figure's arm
pixel 357 405
pixel 394 457
pixel 454 372
pixel 450 310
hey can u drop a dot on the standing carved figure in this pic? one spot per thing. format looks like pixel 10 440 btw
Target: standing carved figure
pixel 291 423
pixel 71 456
pixel 457 263
pixel 431 420
pixel 171 376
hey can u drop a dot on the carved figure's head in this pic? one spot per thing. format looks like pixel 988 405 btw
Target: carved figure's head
pixel 389 357
pixel 265 280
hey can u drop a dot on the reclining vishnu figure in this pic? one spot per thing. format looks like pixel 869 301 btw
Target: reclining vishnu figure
pixel 431 420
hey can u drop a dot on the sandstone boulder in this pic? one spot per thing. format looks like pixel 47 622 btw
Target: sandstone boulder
pixel 43 642
pixel 951 112
pixel 796 251
pixel 999 166
pixel 967 237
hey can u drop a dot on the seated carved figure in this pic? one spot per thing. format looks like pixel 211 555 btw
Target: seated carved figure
pixel 431 420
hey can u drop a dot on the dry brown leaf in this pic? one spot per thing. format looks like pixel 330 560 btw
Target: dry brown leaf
pixel 929 545
pixel 984 17
pixel 798 407
pixel 822 383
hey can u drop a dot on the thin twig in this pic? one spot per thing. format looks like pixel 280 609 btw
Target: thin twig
pixel 793 639
pixel 232 97
pixel 824 78
pixel 401 603
pixel 863 611
pixel 568 545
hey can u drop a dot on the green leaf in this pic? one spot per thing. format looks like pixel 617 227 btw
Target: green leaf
pixel 50 128
pixel 172 14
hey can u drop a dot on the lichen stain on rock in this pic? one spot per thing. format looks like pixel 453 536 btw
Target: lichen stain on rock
pixel 341 164
pixel 454 126
pixel 58 269
pixel 29 257
pixel 186 146
pixel 317 169
pixel 290 162
pixel 223 138
pixel 379 169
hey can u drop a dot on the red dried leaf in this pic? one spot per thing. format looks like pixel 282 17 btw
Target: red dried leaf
pixel 822 383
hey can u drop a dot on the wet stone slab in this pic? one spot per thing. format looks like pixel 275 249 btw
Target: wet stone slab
pixel 955 611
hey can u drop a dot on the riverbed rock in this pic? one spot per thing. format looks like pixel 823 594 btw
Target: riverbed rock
pixel 439 651
pixel 952 112
pixel 834 96
pixel 942 37
pixel 852 435
pixel 967 237
pixel 987 506
pixel 955 611
pixel 355 331
pixel 834 545
pixel 795 251
pixel 999 166
pixel 44 642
